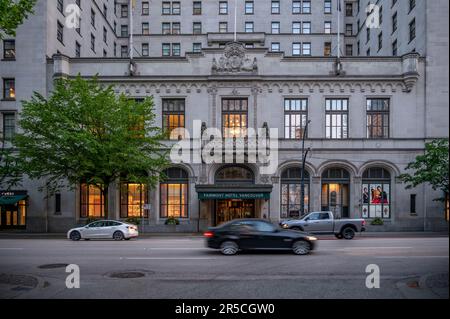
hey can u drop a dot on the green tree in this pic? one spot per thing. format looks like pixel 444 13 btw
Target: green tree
pixel 431 167
pixel 12 14
pixel 85 133
pixel 8 168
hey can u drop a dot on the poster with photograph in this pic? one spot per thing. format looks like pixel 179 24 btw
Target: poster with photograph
pixel 365 194
pixel 386 212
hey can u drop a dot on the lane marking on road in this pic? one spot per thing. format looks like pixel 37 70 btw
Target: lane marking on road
pixel 406 257
pixel 176 248
pixel 167 258
pixel 4 248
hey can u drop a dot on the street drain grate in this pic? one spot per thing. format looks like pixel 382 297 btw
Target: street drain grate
pixel 127 275
pixel 53 266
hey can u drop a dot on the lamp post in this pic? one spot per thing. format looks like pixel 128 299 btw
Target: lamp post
pixel 302 185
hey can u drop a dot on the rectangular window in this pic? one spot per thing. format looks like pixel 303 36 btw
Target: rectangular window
pixel 349 9
pixel 306 27
pixel 145 8
pixel 377 118
pixel 197 8
pixel 9 126
pixel 327 6
pixel 327 27
pixel 223 27
pixel 176 8
pixel 145 28
pixel 124 30
pixel 166 8
pixel 124 51
pixel 295 118
pixel 296 7
pixel 412 30
pixel 275 47
pixel 249 7
pixel 60 6
pixel 249 27
pixel 412 204
pixel 92 202
pixel 296 28
pixel 234 118
pixel 133 197
pixel 9 89
pixel 176 49
pixel 60 32
pixel 336 118
pixel 327 49
pixel 306 7
pixel 306 48
pixel 275 27
pixel 166 49
pixel 173 116
pixel 197 28
pixel 296 48
pixel 77 50
pixel 349 50
pixel 223 7
pixel 145 49
pixel 174 200
pixel 166 28
pixel 57 204
pixel 349 30
pixel 380 41
pixel 275 7
pixel 124 11
pixel 176 28
pixel 196 47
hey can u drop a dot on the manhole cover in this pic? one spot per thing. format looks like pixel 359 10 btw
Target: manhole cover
pixel 53 266
pixel 125 275
pixel 18 280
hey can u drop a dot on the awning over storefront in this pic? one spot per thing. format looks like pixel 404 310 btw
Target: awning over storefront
pixel 207 192
pixel 11 199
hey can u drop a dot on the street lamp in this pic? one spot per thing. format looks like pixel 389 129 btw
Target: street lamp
pixel 302 185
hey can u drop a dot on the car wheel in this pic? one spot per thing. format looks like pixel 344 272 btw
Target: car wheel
pixel 229 248
pixel 118 235
pixel 339 236
pixel 75 235
pixel 127 238
pixel 301 247
pixel 296 228
pixel 348 233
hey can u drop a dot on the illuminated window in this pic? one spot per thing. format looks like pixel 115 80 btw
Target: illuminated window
pixel 376 193
pixel 92 202
pixel 234 117
pixel 9 49
pixel 9 89
pixel 295 117
pixel 174 194
pixel 336 118
pixel 291 179
pixel 336 192
pixel 132 200
pixel 173 115
pixel 378 118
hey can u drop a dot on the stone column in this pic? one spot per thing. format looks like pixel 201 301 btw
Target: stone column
pixel 315 194
pixel 355 197
pixel 212 91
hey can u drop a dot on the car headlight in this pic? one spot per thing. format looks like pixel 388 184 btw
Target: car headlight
pixel 284 225
pixel 311 238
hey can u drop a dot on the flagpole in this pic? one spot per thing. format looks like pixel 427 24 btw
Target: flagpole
pixel 339 31
pixel 235 20
pixel 131 31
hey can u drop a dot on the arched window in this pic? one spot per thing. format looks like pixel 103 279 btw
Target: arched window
pixel 336 191
pixel 174 193
pixel 234 175
pixel 291 179
pixel 376 193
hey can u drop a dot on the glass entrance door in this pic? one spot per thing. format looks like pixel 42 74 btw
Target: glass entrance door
pixel 227 210
pixel 12 216
pixel 335 198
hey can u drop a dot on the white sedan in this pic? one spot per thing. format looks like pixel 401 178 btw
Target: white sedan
pixel 104 229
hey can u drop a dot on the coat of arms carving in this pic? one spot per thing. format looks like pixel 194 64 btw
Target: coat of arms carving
pixel 234 60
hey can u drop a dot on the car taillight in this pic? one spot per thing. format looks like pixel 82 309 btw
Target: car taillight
pixel 208 234
pixel 364 222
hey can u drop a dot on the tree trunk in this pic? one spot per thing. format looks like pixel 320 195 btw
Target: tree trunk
pixel 106 202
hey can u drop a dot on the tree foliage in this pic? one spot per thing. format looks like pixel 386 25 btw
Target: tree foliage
pixel 431 167
pixel 12 14
pixel 85 133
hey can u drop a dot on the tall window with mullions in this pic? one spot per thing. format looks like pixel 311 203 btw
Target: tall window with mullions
pixel 133 197
pixel 295 118
pixel 377 118
pixel 173 116
pixel 234 118
pixel 336 118
pixel 291 179
pixel 174 199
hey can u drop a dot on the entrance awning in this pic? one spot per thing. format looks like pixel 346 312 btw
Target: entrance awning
pixel 11 200
pixel 207 192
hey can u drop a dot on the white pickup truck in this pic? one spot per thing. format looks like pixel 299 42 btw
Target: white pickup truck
pixel 324 223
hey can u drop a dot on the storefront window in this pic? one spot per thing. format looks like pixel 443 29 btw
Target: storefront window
pixel 291 193
pixel 174 194
pixel 132 200
pixel 376 191
pixel 336 192
pixel 92 202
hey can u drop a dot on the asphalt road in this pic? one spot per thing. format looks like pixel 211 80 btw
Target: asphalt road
pixel 174 267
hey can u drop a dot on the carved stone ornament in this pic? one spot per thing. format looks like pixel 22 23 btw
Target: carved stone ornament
pixel 234 60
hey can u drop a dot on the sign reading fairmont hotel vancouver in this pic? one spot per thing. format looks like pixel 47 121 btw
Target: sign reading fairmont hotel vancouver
pixel 369 111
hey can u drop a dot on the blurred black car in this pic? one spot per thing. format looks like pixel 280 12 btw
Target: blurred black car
pixel 246 234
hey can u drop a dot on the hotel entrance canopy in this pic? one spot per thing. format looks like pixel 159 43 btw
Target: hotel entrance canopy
pixel 207 192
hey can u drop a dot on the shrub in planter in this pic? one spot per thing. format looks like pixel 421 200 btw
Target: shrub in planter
pixel 377 221
pixel 172 221
pixel 133 220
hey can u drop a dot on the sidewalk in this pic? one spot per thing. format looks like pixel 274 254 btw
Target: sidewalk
pixel 23 235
